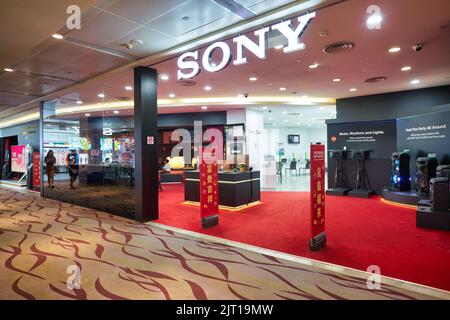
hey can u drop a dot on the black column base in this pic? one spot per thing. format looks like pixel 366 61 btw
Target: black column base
pixel 338 191
pixel 318 242
pixel 210 221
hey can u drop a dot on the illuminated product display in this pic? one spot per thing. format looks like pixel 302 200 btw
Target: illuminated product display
pixel 400 177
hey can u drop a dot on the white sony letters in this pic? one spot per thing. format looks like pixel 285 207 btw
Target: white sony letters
pixel 189 60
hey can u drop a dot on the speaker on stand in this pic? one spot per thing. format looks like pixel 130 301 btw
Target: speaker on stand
pixel 363 188
pixel 340 185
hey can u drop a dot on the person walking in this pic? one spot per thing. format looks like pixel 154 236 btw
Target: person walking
pixel 50 168
pixel 72 166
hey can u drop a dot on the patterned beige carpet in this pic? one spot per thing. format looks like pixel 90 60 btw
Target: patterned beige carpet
pixel 122 259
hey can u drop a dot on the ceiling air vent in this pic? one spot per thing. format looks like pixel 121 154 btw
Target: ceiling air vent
pixel 375 79
pixel 339 47
pixel 187 83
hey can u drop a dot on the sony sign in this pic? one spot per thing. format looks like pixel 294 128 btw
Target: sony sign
pixel 188 66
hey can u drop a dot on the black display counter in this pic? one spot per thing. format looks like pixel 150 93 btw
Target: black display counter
pixel 235 189
pixel 403 197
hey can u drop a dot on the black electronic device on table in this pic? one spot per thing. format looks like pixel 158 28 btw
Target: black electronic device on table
pixel 400 177
pixel 425 171
pixel 340 185
pixel 362 188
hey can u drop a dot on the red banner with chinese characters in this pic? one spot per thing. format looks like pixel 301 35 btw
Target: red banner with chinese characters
pixel 209 185
pixel 317 195
pixel 36 169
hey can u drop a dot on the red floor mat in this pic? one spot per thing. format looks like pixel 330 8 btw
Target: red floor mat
pixel 360 232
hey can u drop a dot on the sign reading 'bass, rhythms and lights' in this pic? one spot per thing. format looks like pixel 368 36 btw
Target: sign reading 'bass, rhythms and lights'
pixel 189 67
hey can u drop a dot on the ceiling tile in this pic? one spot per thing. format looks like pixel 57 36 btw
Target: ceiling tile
pixel 99 61
pixel 104 28
pixel 62 52
pixel 200 13
pixel 153 42
pixel 73 72
pixel 36 65
pixel 13 99
pixel 142 11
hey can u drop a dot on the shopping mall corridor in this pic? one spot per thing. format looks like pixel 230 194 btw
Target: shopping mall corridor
pixel 41 240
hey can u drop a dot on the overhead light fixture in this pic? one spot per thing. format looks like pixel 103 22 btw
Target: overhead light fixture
pixel 57 36
pixel 270 118
pixel 337 80
pixel 300 115
pixel 253 78
pixel 128 88
pixel 284 112
pixel 164 77
pixel 394 49
pixel 208 88
pixel 415 81
pixel 172 95
pixel 406 68
pixel 79 102
pixel 282 89
pixel 9 70
pixel 87 114
pixel 116 112
pixel 353 89
pixel 313 66
pixel 101 95
pixel 285 121
pixel 374 21
pixel 204 108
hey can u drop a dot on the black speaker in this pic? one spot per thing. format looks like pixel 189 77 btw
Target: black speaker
pixel 439 194
pixel 426 170
pixel 443 171
pixel 400 177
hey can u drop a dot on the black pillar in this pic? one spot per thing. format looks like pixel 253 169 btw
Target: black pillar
pixel 146 134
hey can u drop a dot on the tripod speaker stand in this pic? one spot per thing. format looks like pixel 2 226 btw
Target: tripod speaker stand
pixel 340 185
pixel 363 188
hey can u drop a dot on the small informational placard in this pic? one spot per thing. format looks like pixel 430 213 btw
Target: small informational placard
pixel 18 159
pixel 317 196
pixel 36 169
pixel 209 189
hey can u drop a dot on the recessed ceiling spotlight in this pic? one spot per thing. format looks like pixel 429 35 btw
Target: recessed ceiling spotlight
pixel 208 88
pixel 313 66
pixel 204 108
pixel 172 95
pixel 278 47
pixel 264 108
pixel 284 112
pixel 337 80
pixel 116 112
pixel 282 89
pixel 79 102
pixel 353 89
pixel 57 36
pixel 299 60
pixel 101 95
pixel 321 108
pixel 253 78
pixel 9 70
pixel 87 114
pixel 394 49
pixel 406 68
pixel 270 118
pixel 415 81
pixel 285 121
pixel 128 88
pixel 164 77
pixel 300 115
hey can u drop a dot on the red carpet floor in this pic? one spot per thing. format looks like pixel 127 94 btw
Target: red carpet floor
pixel 360 232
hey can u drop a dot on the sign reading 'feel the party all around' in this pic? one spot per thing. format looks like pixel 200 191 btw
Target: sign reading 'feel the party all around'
pixel 189 67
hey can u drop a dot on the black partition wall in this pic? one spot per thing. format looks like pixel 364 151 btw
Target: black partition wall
pixel 417 120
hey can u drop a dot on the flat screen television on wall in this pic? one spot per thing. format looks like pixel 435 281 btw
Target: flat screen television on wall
pixel 293 139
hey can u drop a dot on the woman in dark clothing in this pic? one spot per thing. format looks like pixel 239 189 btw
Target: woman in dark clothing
pixel 50 168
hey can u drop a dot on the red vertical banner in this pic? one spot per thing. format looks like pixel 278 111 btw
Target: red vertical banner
pixel 36 169
pixel 209 189
pixel 317 196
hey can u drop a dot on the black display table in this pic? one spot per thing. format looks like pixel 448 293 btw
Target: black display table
pixel 404 197
pixel 235 189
